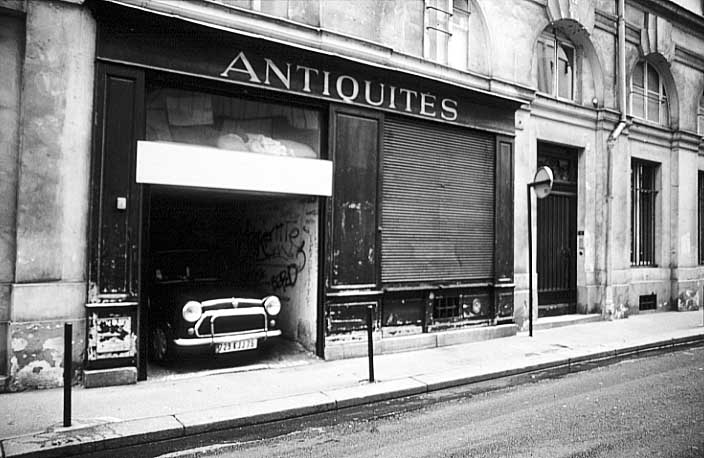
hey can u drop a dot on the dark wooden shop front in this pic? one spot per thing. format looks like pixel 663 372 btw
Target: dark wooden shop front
pixel 420 223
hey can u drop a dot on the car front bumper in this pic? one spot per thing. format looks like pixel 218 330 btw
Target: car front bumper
pixel 212 340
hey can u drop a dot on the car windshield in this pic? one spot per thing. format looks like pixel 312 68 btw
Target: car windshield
pixel 188 265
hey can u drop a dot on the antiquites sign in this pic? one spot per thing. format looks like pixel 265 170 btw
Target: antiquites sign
pixel 347 88
pixel 194 51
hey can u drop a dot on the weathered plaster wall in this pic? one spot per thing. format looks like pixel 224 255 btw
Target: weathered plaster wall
pixel 575 128
pixel 648 280
pixel 617 269
pixel 285 235
pixel 481 41
pixel 379 22
pixel 684 220
pixel 52 190
pixel 525 160
pixel 11 55
pixel 689 79
pixel 515 27
pixel 685 230
pixel 605 44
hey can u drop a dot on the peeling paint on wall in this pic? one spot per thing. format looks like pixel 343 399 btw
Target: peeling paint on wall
pixel 688 300
pixel 37 355
pixel 614 311
pixel 110 336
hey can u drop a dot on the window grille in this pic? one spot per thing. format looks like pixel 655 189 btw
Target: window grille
pixel 447 307
pixel 643 197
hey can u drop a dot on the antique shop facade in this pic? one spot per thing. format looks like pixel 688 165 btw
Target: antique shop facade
pixel 392 166
pixel 388 195
pixel 371 187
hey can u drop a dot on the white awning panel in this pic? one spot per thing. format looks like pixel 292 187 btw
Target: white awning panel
pixel 179 164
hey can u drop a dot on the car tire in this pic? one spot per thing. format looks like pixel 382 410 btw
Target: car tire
pixel 160 346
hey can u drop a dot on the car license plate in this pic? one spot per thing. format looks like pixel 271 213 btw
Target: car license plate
pixel 239 345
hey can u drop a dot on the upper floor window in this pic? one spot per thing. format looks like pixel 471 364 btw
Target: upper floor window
pixel 700 116
pixel 648 97
pixel 447 32
pixel 556 65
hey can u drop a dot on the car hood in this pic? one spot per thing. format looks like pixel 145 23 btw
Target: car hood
pixel 201 291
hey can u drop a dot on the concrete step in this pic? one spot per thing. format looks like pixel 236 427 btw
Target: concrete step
pixel 385 345
pixel 549 322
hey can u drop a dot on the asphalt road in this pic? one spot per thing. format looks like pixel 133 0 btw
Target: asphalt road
pixel 642 407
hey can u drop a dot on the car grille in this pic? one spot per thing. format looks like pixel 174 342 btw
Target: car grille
pixel 232 323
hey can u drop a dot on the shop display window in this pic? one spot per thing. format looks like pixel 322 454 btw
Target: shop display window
pixel 232 123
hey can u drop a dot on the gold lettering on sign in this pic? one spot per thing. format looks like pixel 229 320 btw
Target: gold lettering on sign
pixel 427 101
pixel 392 98
pixel 285 79
pixel 339 86
pixel 326 83
pixel 306 76
pixel 368 95
pixel 345 87
pixel 449 108
pixel 248 69
pixel 408 93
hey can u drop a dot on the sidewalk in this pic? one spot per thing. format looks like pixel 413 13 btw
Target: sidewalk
pixel 103 418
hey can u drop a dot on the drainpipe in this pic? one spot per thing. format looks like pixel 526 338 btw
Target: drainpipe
pixel 610 144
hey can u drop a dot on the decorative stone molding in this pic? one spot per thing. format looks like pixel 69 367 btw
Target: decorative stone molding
pixel 657 38
pixel 581 11
pixel 580 36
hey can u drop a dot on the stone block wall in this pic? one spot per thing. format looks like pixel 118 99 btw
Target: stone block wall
pixel 12 33
pixel 42 272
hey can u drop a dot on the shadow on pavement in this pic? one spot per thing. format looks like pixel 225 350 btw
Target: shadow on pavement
pixel 271 354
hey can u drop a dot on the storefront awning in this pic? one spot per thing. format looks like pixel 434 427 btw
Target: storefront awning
pixel 178 164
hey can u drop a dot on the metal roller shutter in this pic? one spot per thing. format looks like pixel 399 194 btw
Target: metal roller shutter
pixel 438 203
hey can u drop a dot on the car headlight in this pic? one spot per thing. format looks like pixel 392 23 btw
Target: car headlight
pixel 272 304
pixel 192 311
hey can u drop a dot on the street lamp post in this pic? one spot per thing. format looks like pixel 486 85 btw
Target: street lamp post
pixel 542 184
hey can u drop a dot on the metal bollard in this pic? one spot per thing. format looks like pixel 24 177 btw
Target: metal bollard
pixel 68 336
pixel 370 342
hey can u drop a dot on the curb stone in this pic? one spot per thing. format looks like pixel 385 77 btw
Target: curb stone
pixel 113 435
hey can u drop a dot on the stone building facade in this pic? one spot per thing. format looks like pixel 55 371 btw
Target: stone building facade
pixel 608 93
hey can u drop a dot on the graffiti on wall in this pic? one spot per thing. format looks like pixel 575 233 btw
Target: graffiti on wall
pixel 278 252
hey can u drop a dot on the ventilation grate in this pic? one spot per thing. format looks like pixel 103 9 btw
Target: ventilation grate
pixel 648 302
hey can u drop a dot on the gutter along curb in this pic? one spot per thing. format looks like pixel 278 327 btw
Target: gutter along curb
pixel 107 436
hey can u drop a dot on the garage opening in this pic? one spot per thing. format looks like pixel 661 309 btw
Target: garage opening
pixel 233 231
pixel 208 245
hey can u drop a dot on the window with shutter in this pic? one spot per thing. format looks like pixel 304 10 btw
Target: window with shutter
pixel 438 208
